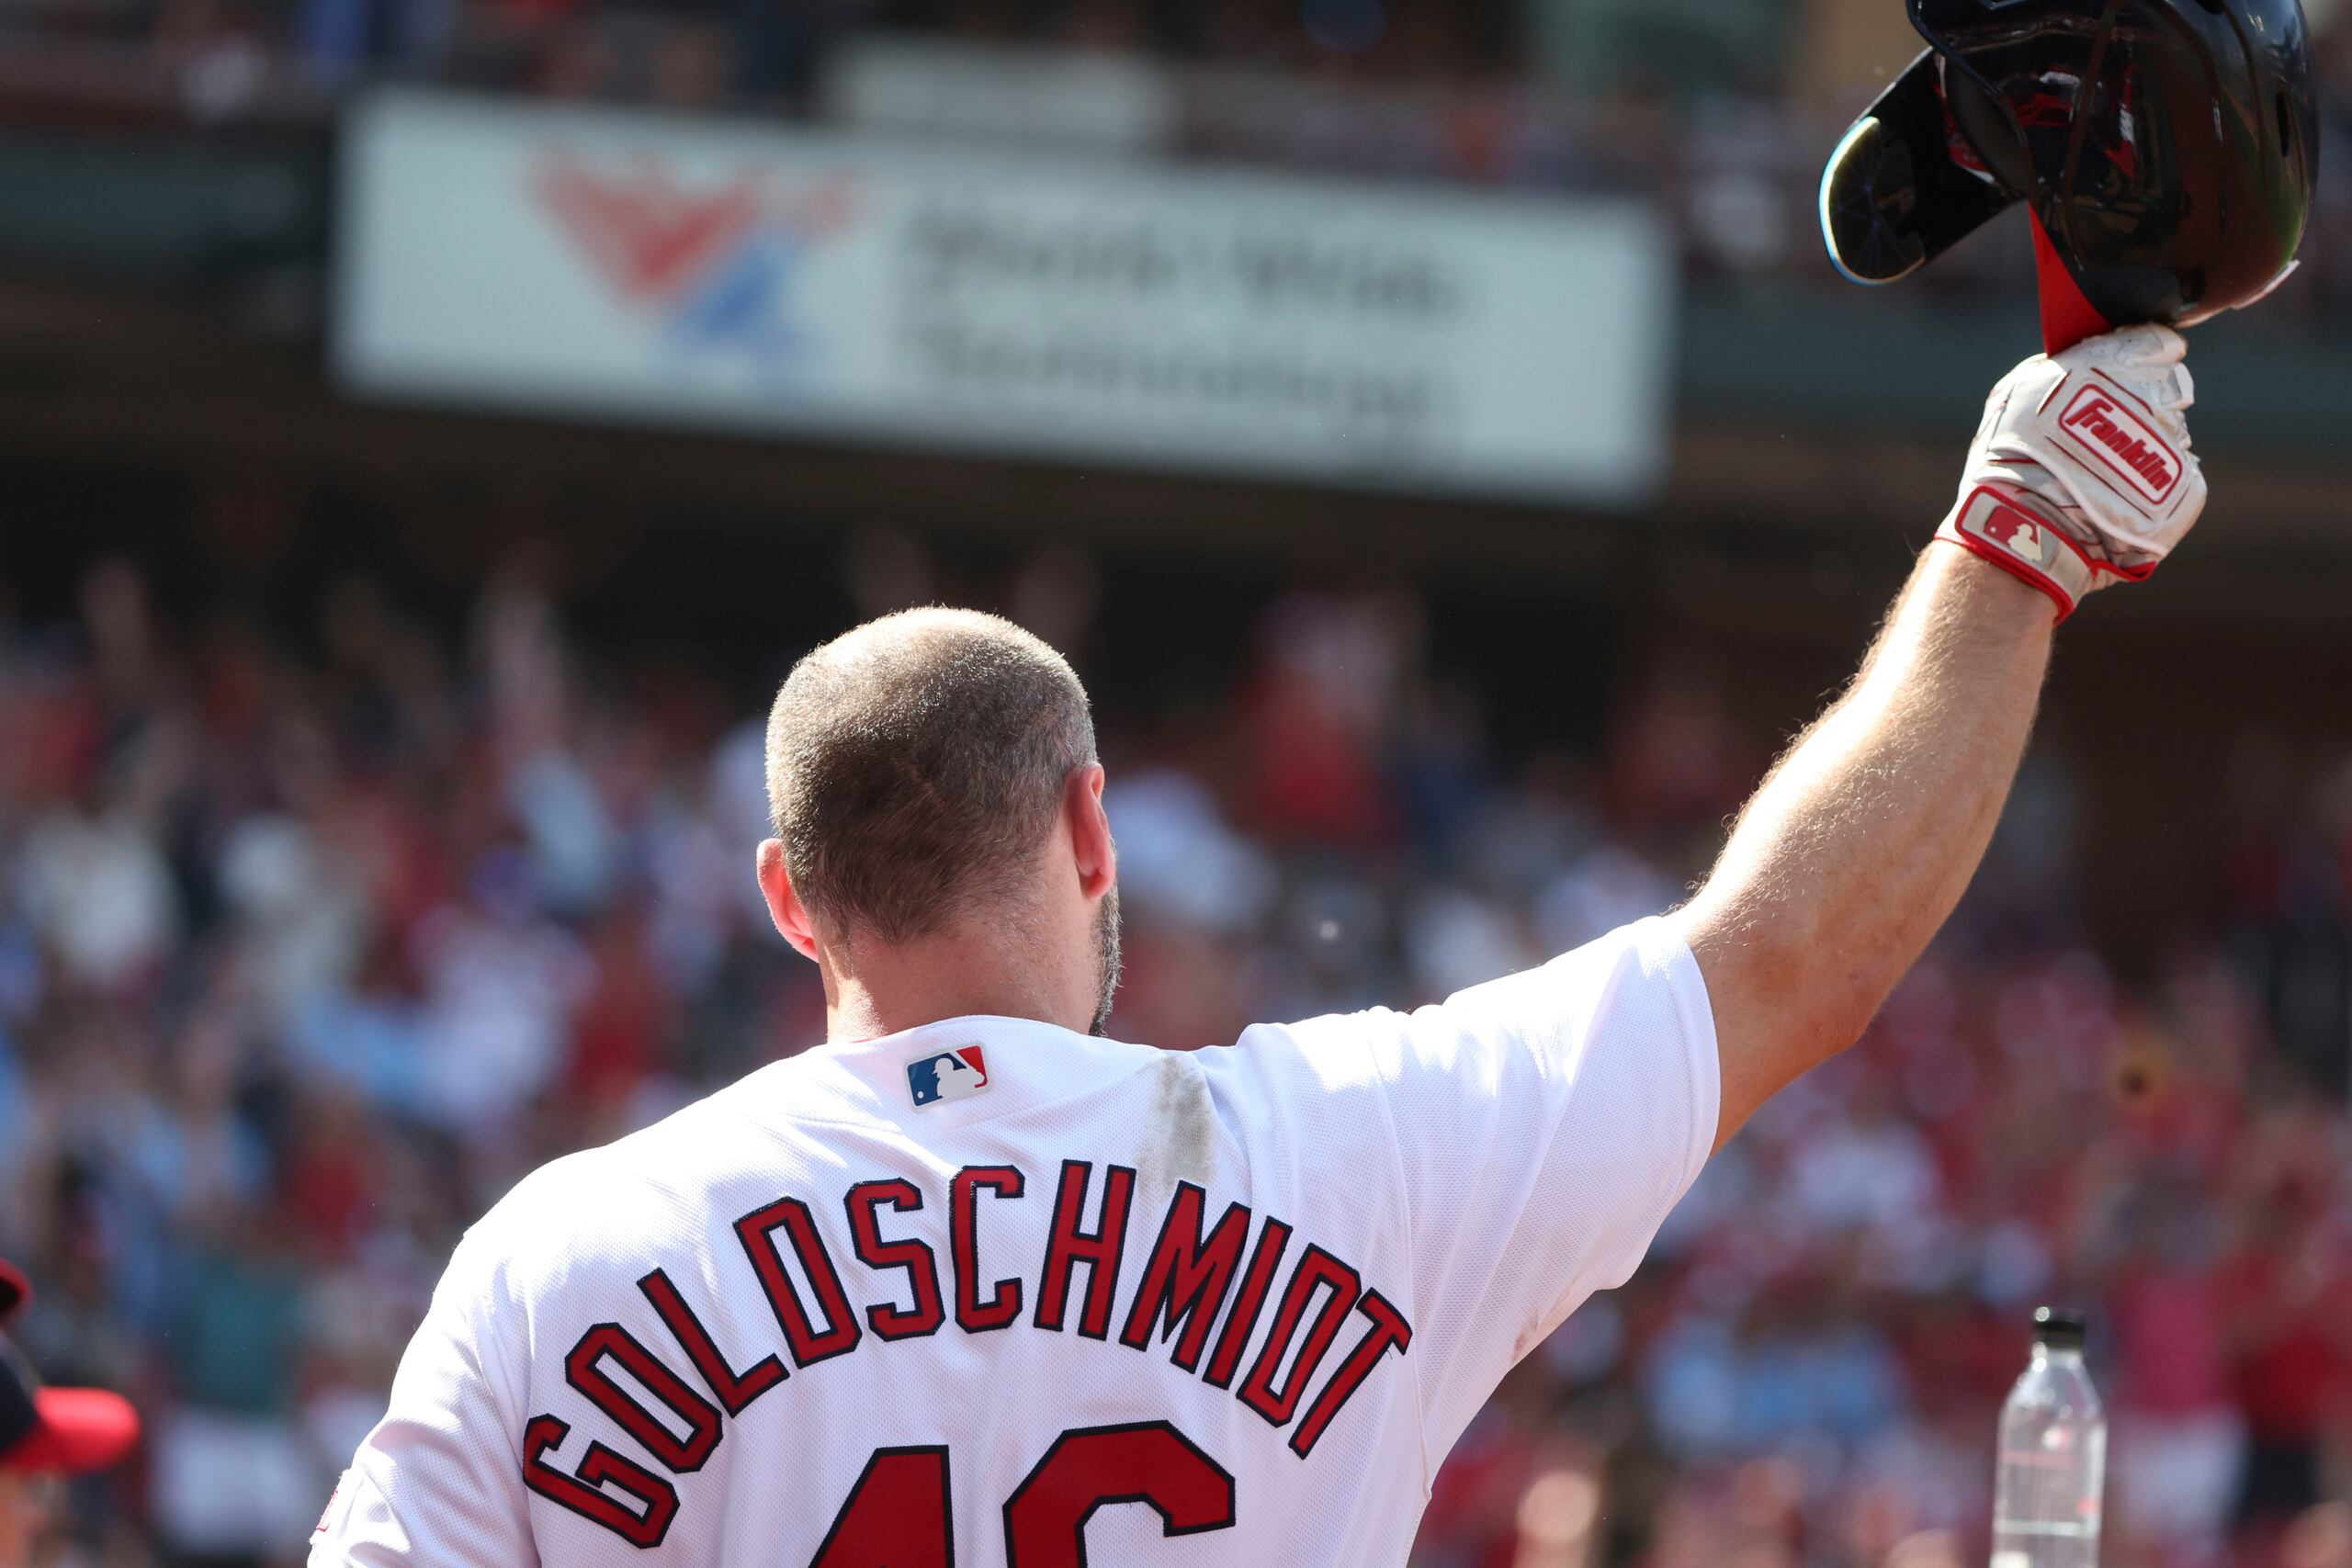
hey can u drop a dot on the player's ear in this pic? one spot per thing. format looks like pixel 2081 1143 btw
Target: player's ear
pixel 1090 831
pixel 784 904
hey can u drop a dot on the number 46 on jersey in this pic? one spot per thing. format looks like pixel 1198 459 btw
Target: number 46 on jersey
pixel 897 1516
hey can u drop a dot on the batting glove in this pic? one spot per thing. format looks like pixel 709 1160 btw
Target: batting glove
pixel 2081 475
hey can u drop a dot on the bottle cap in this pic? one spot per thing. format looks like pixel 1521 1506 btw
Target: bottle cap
pixel 2060 1328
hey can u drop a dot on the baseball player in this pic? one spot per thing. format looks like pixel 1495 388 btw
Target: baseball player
pixel 972 1285
pixel 47 1434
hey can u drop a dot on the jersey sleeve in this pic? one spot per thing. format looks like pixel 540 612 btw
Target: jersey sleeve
pixel 1544 1126
pixel 439 1479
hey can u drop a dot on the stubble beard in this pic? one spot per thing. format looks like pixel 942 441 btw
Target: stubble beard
pixel 1107 961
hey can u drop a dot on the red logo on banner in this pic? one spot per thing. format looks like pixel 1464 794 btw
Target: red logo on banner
pixel 647 236
pixel 653 239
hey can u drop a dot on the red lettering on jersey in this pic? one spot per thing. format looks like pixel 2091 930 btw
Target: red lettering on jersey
pixel 586 1494
pixel 1192 1287
pixel 809 1343
pixel 1099 1249
pixel 974 1315
pixel 1317 1270
pixel 926 1315
pixel 1149 1462
pixel 1390 1332
pixel 584 1370
pixel 896 1516
pixel 735 1390
pixel 1271 1241
pixel 1186 1279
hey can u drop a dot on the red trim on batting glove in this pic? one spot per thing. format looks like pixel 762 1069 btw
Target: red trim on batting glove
pixel 1997 526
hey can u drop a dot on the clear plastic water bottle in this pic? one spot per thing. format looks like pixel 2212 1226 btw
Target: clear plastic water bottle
pixel 2052 1456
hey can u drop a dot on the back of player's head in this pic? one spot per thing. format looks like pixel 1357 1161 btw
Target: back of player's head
pixel 916 765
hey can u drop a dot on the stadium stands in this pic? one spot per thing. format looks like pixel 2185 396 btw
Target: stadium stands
pixel 312 938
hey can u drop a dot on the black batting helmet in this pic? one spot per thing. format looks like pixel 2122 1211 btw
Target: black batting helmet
pixel 2167 149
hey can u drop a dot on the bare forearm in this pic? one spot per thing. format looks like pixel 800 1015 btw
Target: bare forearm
pixel 1861 842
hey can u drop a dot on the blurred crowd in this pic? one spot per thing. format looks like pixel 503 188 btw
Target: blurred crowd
pixel 313 939
pixel 761 50
pixel 1720 111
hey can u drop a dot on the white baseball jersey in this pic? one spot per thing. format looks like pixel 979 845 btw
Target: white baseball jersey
pixel 991 1294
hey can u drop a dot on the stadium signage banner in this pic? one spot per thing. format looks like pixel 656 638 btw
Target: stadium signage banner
pixel 651 270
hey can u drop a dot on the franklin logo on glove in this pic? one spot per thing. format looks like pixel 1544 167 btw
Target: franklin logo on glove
pixel 2082 475
pixel 2144 458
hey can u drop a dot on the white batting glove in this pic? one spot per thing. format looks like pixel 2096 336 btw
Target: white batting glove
pixel 2081 475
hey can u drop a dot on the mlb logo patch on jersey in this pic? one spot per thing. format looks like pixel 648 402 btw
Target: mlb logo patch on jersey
pixel 951 1075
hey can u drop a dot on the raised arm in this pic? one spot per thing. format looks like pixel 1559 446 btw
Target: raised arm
pixel 1862 840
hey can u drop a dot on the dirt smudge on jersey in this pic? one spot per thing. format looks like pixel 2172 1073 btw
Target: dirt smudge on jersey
pixel 1180 1145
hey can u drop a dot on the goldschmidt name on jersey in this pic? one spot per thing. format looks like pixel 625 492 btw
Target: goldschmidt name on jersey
pixel 1194 1290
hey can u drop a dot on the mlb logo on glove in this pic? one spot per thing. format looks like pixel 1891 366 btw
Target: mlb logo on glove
pixel 1995 520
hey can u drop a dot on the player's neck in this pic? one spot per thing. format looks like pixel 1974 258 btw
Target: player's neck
pixel 880 990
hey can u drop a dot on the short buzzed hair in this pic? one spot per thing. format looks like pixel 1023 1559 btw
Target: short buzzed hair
pixel 916 765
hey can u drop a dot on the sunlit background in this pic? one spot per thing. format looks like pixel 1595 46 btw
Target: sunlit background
pixel 428 428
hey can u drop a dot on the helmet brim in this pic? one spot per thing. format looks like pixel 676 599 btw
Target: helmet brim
pixel 1902 186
